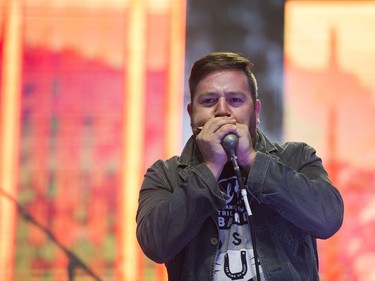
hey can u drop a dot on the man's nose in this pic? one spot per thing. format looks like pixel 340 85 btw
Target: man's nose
pixel 222 108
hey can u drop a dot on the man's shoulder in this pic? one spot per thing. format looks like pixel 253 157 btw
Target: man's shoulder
pixel 290 145
pixel 278 146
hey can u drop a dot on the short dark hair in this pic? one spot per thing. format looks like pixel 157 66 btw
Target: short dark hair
pixel 221 61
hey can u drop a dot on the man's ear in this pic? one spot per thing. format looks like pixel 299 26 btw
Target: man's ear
pixel 258 107
pixel 189 109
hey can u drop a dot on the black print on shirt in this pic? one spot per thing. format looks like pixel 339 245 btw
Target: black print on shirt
pixel 236 239
pixel 236 275
pixel 234 212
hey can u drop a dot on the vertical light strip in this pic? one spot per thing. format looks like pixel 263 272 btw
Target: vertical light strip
pixel 175 98
pixel 9 133
pixel 176 77
pixel 133 138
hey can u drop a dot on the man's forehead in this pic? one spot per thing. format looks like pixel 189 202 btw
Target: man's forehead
pixel 229 80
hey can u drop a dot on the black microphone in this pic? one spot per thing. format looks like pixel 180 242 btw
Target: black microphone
pixel 230 143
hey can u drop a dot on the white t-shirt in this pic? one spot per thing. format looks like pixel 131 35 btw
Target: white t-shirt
pixel 235 257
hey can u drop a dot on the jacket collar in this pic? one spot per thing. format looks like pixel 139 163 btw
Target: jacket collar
pixel 263 144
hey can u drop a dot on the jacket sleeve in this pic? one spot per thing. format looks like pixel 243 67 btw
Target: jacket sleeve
pixel 172 208
pixel 296 185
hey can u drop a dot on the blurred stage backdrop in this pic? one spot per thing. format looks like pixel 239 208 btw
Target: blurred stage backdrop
pixel 93 92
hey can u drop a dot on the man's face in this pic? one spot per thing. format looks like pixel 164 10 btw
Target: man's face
pixel 224 93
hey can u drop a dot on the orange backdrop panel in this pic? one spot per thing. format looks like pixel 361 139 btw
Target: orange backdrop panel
pixel 330 103
pixel 93 94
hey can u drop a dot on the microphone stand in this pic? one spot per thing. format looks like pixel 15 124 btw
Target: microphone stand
pixel 230 143
pixel 74 261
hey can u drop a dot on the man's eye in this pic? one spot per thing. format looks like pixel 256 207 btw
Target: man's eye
pixel 208 101
pixel 235 100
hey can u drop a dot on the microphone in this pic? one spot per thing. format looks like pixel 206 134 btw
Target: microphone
pixel 230 143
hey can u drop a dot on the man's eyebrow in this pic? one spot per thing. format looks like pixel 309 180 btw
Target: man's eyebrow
pixel 208 93
pixel 242 93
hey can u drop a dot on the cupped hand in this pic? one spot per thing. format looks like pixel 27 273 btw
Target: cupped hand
pixel 209 142
pixel 245 151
